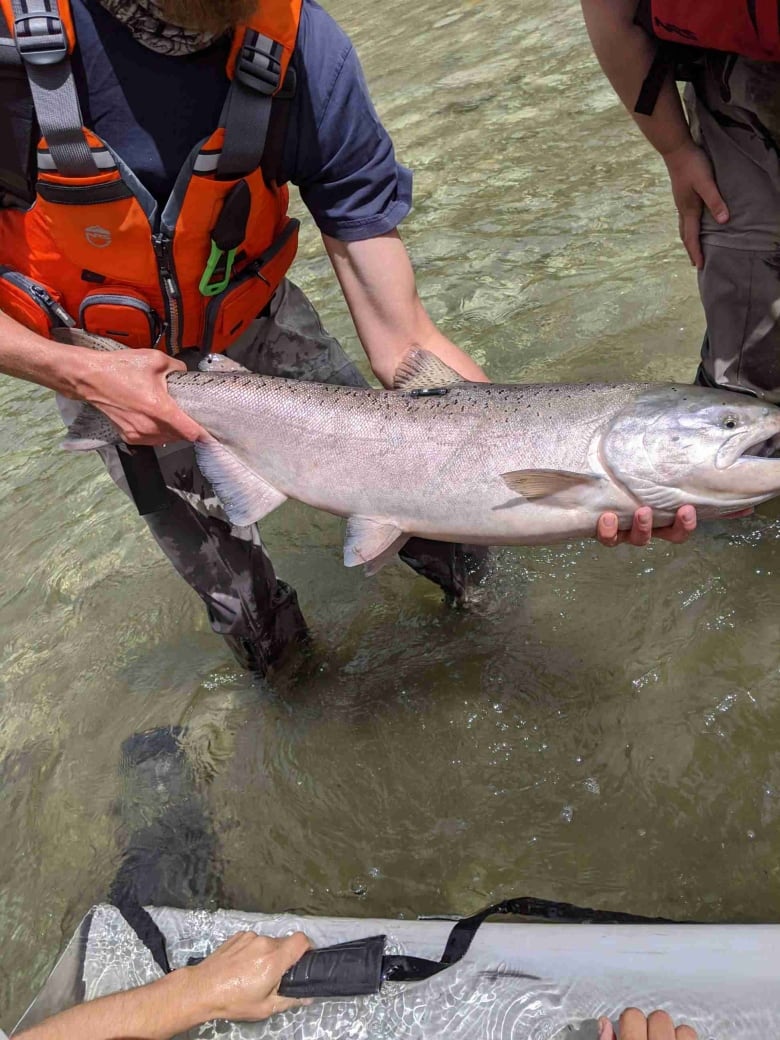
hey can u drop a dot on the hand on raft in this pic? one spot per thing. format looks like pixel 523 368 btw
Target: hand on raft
pixel 634 1026
pixel 242 976
pixel 239 982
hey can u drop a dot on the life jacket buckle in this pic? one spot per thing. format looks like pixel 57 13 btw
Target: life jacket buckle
pixel 40 38
pixel 258 66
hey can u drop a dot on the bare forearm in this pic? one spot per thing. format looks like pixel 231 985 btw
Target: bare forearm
pixel 155 1012
pixel 625 53
pixel 378 283
pixel 26 355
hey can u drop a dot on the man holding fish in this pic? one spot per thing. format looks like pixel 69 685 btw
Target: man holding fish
pixel 154 212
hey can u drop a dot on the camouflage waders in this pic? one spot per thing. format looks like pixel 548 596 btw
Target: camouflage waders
pixel 228 566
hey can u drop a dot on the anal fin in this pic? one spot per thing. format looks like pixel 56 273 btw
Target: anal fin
pixel 372 542
pixel 245 496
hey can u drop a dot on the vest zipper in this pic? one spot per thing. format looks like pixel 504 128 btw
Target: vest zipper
pixel 163 249
pixel 36 291
pixel 50 304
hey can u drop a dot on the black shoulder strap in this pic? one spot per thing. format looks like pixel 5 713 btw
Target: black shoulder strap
pixel 247 111
pixel 42 44
pixel 272 162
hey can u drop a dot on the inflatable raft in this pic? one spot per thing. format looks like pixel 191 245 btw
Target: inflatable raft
pixel 512 981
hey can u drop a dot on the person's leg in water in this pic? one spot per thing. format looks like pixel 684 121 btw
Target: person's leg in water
pixel 734 110
pixel 169 853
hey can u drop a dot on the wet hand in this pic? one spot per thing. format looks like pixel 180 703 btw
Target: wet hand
pixel 634 1026
pixel 693 188
pixel 130 387
pixel 642 529
pixel 240 980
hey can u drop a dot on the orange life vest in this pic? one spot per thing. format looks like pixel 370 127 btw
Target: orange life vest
pixel 93 250
pixel 747 27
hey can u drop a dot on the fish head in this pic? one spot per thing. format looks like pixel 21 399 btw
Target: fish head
pixel 681 444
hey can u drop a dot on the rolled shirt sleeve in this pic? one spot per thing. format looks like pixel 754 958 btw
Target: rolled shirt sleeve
pixel 337 151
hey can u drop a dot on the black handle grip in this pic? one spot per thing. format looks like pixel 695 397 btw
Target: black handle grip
pixel 351 969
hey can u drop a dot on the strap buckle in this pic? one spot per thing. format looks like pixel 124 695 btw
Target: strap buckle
pixel 40 38
pixel 258 66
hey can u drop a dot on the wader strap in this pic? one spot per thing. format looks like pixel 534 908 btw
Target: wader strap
pixel 247 111
pixel 144 477
pixel 43 46
pixel 360 966
pixel 663 63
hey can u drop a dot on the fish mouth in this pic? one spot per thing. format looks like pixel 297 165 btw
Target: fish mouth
pixel 763 449
pixel 736 450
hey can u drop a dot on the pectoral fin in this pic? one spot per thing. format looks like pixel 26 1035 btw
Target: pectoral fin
pixel 538 483
pixel 421 370
pixel 372 542
pixel 245 496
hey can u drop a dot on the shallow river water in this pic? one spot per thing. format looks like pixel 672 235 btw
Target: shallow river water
pixel 598 726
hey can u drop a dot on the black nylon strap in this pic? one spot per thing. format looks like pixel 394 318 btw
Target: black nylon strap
pixel 353 968
pixel 139 919
pixel 408 969
pixel 247 112
pixel 660 67
pixel 144 477
pixel 43 46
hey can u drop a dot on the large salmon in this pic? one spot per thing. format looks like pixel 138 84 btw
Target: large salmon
pixel 466 462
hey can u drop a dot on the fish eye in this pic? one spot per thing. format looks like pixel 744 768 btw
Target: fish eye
pixel 731 422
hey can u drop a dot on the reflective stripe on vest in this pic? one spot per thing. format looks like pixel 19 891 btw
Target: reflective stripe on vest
pixel 94 226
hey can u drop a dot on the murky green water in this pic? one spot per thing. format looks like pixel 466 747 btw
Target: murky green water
pixel 600 726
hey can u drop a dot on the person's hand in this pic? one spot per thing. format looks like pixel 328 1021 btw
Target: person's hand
pixel 642 529
pixel 239 981
pixel 130 387
pixel 634 1026
pixel 693 188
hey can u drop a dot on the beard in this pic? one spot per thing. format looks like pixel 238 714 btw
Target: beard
pixel 207 16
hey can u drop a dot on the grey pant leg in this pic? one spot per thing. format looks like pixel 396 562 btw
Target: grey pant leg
pixel 734 108
pixel 290 341
pixel 227 566
pixel 740 292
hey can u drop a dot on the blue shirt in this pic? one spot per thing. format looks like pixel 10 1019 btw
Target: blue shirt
pixel 152 109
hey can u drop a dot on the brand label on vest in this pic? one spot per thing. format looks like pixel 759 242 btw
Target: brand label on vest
pixel 97 236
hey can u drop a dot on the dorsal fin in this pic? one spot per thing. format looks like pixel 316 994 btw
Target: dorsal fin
pixel 421 370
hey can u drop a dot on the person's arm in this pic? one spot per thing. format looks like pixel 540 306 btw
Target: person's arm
pixel 625 53
pixel 634 1026
pixel 238 982
pixel 378 283
pixel 128 385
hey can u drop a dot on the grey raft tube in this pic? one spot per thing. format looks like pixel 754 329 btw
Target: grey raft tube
pixel 524 981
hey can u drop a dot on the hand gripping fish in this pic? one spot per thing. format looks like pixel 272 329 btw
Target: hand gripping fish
pixel 481 463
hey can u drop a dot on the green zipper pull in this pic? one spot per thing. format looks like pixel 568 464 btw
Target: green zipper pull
pixel 226 237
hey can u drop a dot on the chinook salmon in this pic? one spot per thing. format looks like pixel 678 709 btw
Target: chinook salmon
pixel 481 463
